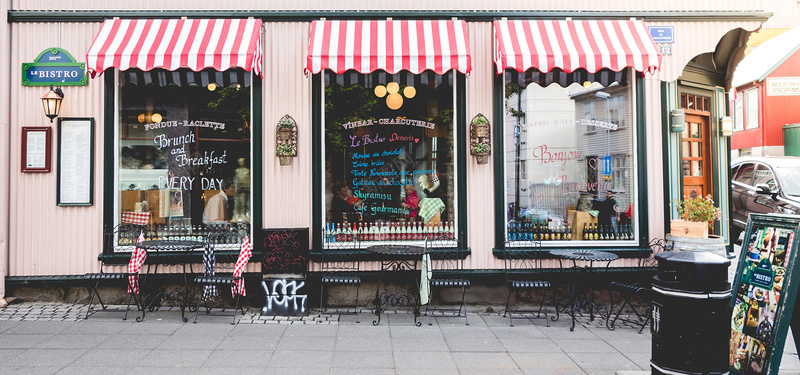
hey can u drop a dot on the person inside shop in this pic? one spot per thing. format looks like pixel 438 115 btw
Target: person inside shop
pixel 217 210
pixel 608 216
pixel 345 206
pixel 411 202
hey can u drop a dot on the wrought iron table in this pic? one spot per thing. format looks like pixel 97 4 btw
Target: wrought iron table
pixel 397 258
pixel 580 301
pixel 175 252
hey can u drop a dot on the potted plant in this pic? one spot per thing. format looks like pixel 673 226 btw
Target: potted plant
pixel 697 216
pixel 480 126
pixel 481 152
pixel 285 152
pixel 285 128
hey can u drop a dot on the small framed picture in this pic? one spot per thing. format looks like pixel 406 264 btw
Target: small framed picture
pixel 36 141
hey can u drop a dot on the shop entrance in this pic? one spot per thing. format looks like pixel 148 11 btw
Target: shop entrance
pixel 695 156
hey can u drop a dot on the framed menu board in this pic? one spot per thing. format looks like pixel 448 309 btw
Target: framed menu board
pixel 75 161
pixel 765 286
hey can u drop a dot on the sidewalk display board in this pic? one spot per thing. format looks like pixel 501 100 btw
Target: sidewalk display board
pixel 764 287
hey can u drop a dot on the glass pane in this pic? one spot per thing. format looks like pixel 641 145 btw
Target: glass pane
pixel 697 168
pixel 686 171
pixel 695 130
pixel 389 155
pixel 685 132
pixel 697 149
pixel 686 149
pixel 184 156
pixel 578 186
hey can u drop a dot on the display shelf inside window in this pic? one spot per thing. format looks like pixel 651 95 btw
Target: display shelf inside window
pixel 286 140
pixel 480 134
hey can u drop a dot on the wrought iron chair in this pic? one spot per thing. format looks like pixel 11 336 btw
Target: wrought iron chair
pixel 447 272
pixel 340 266
pixel 639 287
pixel 523 269
pixel 121 237
pixel 227 273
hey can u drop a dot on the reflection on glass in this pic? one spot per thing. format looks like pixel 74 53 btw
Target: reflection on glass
pixel 389 162
pixel 686 169
pixel 184 153
pixel 697 168
pixel 697 150
pixel 575 185
pixel 686 149
pixel 695 130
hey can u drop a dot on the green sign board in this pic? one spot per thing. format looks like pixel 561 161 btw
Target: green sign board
pixel 765 287
pixel 54 66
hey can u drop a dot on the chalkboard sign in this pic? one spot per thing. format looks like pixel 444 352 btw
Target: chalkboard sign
pixel 285 249
pixel 765 286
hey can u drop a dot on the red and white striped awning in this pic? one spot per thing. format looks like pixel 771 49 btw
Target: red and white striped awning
pixel 574 44
pixel 389 45
pixel 176 43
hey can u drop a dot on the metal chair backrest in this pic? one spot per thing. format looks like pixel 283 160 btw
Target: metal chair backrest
pixel 225 240
pixel 444 253
pixel 523 256
pixel 340 251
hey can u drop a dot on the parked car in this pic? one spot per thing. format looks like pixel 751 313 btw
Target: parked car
pixel 767 184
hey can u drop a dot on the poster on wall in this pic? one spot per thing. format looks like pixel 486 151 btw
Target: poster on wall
pixel 765 286
pixel 75 161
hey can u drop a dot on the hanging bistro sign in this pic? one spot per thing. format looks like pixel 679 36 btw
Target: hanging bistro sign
pixel 54 66
pixel 765 288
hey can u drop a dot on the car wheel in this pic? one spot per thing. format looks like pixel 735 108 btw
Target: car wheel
pixel 736 233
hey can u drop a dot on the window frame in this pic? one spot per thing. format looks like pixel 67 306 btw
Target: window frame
pixel 751 93
pixel 460 138
pixel 641 211
pixel 112 117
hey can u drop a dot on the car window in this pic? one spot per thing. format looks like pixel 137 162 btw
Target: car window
pixel 764 175
pixel 744 174
pixel 789 180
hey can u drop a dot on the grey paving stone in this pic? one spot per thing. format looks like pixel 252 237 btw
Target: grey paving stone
pixel 307 343
pixel 247 356
pixel 486 344
pixel 532 345
pixel 193 341
pixel 111 357
pixel 78 370
pixel 21 341
pixel 362 360
pixel 124 341
pixel 569 345
pixel 413 344
pixel 546 363
pixel 73 341
pixel 45 358
pixel 603 361
pixel 156 359
pixel 300 359
pixel 432 361
pixel 496 362
pixel 364 344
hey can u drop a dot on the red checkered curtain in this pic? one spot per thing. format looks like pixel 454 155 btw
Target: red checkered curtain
pixel 135 265
pixel 244 257
pixel 389 45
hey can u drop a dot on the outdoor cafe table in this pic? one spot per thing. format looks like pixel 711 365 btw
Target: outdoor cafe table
pixel 397 257
pixel 176 253
pixel 580 301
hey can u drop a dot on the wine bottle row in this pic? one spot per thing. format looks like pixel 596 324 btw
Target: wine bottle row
pixel 534 231
pixel 389 231
pixel 594 232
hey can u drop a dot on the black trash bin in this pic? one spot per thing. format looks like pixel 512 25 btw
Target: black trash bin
pixel 691 312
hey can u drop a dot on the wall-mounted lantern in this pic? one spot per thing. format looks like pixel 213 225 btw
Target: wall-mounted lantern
pixel 678 120
pixel 52 102
pixel 286 140
pixel 480 138
pixel 726 128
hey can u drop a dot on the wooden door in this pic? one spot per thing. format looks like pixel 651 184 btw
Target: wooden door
pixel 696 160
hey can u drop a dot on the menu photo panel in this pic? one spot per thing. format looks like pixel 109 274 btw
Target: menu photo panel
pixel 765 286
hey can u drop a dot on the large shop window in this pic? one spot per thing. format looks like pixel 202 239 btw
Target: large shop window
pixel 570 158
pixel 389 162
pixel 184 151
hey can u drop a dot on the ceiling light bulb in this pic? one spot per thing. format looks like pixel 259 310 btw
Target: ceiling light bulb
pixel 394 101
pixel 156 117
pixel 380 91
pixel 212 86
pixel 409 92
pixel 392 87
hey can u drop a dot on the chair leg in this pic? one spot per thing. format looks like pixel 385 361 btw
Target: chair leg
pixel 508 307
pixel 544 304
pixel 91 299
pixel 464 303
pixel 321 296
pixel 128 308
pixel 358 319
pixel 199 301
pixel 235 309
